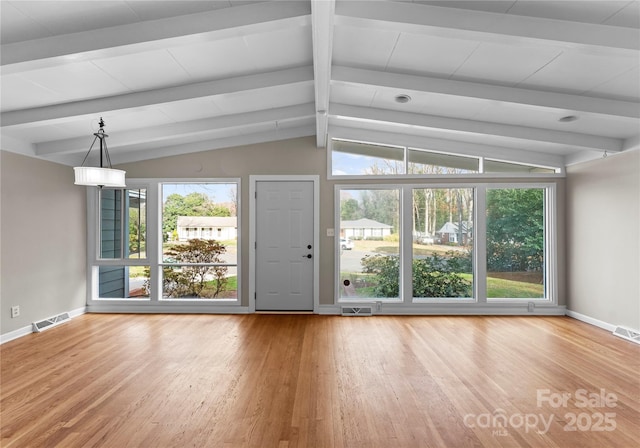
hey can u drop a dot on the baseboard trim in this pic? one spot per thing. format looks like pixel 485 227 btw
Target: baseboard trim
pixel 15 334
pixel 453 309
pixel 20 332
pixel 590 320
pixel 167 308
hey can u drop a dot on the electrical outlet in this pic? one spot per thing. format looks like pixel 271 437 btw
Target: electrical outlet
pixel 15 311
pixel 530 307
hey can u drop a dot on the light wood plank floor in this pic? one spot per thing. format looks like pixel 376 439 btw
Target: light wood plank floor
pixel 319 381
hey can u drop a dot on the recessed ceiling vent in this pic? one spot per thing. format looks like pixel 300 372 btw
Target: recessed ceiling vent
pixel 50 322
pixel 628 334
pixel 357 311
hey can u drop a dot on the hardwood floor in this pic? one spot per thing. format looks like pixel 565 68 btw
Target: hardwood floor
pixel 319 381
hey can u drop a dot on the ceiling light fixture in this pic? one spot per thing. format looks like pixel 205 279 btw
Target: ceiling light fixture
pixel 403 98
pixel 568 119
pixel 99 176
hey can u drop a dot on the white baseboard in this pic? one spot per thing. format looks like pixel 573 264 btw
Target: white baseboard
pixel 15 334
pixel 171 308
pixel 451 309
pixel 590 320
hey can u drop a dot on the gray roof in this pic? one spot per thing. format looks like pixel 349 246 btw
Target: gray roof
pixel 363 223
pixel 207 221
pixel 452 227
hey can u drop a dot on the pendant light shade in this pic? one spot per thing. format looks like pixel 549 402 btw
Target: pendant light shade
pixel 99 176
pixel 96 176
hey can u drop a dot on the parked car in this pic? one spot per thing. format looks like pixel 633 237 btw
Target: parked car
pixel 426 239
pixel 346 244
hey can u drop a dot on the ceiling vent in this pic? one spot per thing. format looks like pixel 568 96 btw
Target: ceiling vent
pixel 50 322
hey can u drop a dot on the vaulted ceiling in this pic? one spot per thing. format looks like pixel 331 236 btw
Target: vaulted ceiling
pixel 550 82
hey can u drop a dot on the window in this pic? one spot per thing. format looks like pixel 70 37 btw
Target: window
pixel 428 162
pixel 356 158
pixel 443 243
pixel 370 219
pixel 199 266
pixel 118 241
pixel 361 159
pixel 171 241
pixel 516 248
pixel 495 166
pixel 470 243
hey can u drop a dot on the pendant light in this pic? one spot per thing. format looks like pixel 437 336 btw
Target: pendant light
pixel 99 176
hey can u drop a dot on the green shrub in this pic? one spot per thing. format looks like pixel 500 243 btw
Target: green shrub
pixel 193 281
pixel 434 276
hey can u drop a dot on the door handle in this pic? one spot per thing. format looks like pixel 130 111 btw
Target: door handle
pixel 307 256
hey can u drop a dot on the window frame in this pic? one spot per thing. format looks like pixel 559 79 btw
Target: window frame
pixel 479 296
pixel 491 155
pixel 153 257
pixel 337 251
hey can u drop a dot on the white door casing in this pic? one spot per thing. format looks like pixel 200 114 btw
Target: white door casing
pixel 284 244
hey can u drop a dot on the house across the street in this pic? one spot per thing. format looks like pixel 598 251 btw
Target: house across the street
pixel 364 229
pixel 207 227
pixel 450 233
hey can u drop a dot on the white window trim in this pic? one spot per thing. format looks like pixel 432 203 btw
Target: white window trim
pixel 154 303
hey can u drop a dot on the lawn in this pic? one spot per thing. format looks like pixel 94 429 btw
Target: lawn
pixel 496 287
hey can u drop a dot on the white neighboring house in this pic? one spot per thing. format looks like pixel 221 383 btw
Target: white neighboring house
pixel 207 227
pixel 364 229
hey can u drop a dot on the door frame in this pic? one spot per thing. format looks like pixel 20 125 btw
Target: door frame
pixel 253 180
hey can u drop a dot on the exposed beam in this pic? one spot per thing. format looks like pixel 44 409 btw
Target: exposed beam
pixel 68 111
pixel 17 146
pixel 200 129
pixel 153 34
pixel 322 12
pixel 248 138
pixel 561 101
pixel 408 120
pixel 486 26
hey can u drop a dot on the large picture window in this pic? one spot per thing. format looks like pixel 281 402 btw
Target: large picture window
pixel 466 243
pixel 196 262
pixel 165 241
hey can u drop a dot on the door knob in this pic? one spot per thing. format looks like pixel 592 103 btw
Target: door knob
pixel 307 256
pixel 309 246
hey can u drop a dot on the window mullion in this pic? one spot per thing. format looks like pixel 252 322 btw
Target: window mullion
pixel 406 240
pixel 480 244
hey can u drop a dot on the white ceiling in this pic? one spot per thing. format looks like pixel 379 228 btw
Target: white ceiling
pixel 169 77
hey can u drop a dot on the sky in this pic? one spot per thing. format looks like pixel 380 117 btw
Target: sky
pixel 218 192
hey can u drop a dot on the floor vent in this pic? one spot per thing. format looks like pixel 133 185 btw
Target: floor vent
pixel 357 311
pixel 628 334
pixel 50 322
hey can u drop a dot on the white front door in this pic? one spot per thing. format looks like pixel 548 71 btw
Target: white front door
pixel 284 245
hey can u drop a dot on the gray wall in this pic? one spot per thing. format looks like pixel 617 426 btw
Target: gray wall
pixel 297 156
pixel 43 240
pixel 603 246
